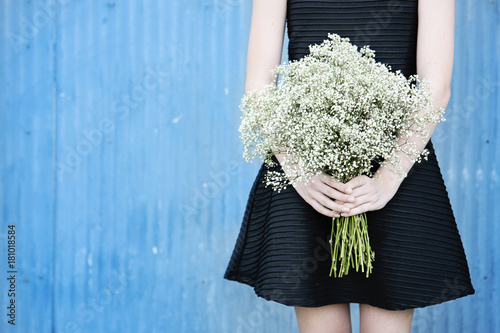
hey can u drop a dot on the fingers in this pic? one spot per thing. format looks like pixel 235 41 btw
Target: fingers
pixel 334 193
pixel 357 182
pixel 369 197
pixel 360 194
pixel 323 210
pixel 311 192
pixel 330 204
pixel 328 196
pixel 332 198
pixel 365 207
pixel 365 194
pixel 325 205
pixel 328 180
pixel 365 198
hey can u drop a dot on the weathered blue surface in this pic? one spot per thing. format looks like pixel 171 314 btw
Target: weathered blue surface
pixel 121 167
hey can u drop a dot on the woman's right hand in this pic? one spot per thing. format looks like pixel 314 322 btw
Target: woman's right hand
pixel 326 195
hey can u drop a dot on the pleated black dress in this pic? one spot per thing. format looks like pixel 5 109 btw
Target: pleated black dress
pixel 282 250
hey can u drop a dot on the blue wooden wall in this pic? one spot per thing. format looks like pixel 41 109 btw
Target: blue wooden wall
pixel 121 167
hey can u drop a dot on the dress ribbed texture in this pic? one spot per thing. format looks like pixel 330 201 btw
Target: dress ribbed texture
pixel 282 249
pixel 389 27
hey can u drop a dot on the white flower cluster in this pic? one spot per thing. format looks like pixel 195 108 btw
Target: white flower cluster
pixel 336 111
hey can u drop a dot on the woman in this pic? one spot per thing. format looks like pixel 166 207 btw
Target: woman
pixel 282 249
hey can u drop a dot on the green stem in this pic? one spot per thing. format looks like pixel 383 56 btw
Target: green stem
pixel 350 245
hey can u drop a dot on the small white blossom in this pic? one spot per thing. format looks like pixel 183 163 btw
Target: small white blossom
pixel 336 111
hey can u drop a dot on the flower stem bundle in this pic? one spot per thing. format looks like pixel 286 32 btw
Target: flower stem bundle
pixel 350 245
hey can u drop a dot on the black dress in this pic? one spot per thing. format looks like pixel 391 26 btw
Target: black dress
pixel 282 249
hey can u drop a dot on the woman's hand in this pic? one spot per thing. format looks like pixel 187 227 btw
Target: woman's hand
pixel 372 193
pixel 325 195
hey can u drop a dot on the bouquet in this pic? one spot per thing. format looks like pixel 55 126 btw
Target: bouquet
pixel 337 111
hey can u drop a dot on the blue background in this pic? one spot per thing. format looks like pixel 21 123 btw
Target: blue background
pixel 121 167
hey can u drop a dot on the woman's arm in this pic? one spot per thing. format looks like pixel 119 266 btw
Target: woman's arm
pixel 264 54
pixel 265 43
pixel 435 41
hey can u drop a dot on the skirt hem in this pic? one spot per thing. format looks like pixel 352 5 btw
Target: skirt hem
pixel 274 297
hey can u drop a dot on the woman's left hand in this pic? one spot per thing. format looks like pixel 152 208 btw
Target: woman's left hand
pixel 372 193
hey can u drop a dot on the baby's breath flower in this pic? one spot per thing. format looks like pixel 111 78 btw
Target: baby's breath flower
pixel 335 110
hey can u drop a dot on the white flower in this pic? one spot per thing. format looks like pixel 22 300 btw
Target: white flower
pixel 335 110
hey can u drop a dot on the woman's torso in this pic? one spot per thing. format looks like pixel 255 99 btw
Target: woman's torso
pixel 389 27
